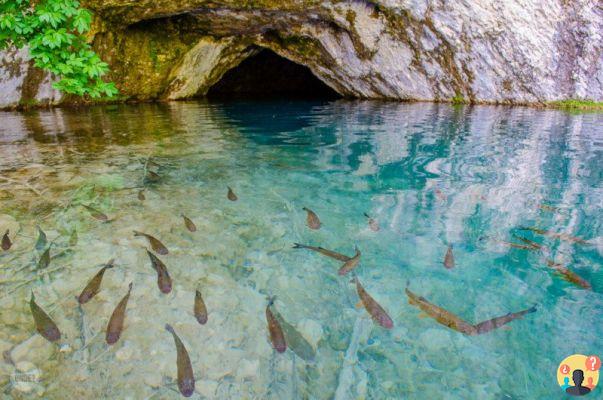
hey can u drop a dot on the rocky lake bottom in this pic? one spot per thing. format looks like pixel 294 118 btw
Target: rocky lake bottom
pixel 429 175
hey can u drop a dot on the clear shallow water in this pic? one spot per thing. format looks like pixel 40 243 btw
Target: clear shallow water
pixel 430 174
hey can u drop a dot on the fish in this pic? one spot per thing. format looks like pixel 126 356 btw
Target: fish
pixel 556 235
pixel 312 219
pixel 156 245
pixel 42 241
pixel 152 176
pixel 452 321
pixel 444 317
pixel 164 282
pixel 188 223
pixel 44 260
pixel 6 243
pixel 186 379
pixel 377 313
pixel 549 208
pixel 296 342
pixel 116 322
pixel 373 224
pixel 96 214
pixel 569 275
pixel 153 163
pixel 529 242
pixel 200 309
pixel 449 258
pixel 350 264
pixel 93 286
pixel 231 195
pixel 323 251
pixel 518 245
pixel 141 196
pixel 44 324
pixel 494 323
pixel 274 328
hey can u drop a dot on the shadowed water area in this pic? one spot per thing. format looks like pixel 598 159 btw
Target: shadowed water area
pixel 430 175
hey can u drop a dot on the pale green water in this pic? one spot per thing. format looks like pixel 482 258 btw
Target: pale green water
pixel 494 169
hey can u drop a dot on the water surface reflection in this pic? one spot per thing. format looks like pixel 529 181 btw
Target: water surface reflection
pixel 431 174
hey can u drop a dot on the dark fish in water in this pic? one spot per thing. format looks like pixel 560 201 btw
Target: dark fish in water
pixel 96 214
pixel 312 219
pixel 374 225
pixel 73 238
pixel 518 246
pixel 141 195
pixel 449 258
pixel 44 260
pixel 6 243
pixel 276 332
pixel 444 317
pixel 529 242
pixel 491 324
pixel 186 380
pixel 231 195
pixel 452 321
pixel 350 264
pixel 156 245
pixel 41 242
pixel 569 275
pixel 323 251
pixel 153 163
pixel 116 322
pixel 556 235
pixel 188 223
pixel 44 324
pixel 296 342
pixel 200 309
pixel 377 313
pixel 93 286
pixel 164 282
pixel 152 176
pixel 549 208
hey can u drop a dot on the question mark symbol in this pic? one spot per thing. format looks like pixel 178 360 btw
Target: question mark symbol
pixel 593 363
pixel 565 369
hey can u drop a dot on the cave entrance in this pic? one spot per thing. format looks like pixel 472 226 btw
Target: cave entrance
pixel 266 75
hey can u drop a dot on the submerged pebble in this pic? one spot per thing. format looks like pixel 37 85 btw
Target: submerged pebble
pixel 35 349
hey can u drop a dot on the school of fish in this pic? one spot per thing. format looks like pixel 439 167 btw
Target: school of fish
pixel 280 333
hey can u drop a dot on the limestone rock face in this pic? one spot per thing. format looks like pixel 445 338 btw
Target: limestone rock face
pixel 513 51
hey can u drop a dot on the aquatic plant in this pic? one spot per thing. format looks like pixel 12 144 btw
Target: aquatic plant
pixel 54 33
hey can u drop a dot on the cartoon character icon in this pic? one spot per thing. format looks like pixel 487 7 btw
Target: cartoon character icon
pixel 578 374
pixel 578 390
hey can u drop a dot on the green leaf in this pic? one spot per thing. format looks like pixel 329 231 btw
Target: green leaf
pixel 53 31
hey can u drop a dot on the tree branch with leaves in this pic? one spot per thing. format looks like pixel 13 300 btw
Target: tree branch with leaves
pixel 53 31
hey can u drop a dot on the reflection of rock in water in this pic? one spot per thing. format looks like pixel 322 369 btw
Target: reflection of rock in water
pixel 264 121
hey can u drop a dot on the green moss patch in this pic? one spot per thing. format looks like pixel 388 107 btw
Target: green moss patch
pixel 577 105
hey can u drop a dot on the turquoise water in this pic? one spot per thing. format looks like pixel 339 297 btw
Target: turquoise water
pixel 431 175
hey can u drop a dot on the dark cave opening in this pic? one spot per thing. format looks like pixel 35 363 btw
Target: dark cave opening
pixel 266 75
